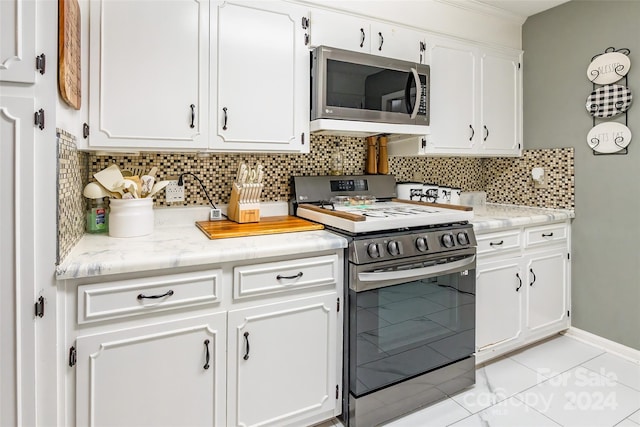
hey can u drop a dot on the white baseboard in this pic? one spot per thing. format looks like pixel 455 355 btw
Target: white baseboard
pixel 621 350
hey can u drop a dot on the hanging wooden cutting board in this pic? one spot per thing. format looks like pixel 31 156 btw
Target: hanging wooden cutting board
pixel 69 82
pixel 267 225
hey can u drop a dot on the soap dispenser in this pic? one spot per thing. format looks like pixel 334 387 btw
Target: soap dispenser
pixel 97 216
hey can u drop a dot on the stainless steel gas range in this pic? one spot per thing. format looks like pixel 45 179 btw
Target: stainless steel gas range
pixel 410 275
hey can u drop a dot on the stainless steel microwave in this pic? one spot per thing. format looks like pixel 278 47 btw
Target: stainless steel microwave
pixel 361 87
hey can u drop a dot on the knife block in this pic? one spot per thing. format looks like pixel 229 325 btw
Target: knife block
pixel 244 205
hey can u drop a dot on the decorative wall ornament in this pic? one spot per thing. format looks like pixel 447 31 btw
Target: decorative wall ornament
pixel 608 100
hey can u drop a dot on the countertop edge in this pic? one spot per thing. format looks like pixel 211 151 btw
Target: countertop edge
pixel 180 247
pixel 494 217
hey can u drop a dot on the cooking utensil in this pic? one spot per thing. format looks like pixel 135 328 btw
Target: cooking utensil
pixel 242 173
pixel 260 175
pixel 93 190
pixel 133 171
pixel 147 184
pixel 111 178
pixel 157 187
pixel 130 187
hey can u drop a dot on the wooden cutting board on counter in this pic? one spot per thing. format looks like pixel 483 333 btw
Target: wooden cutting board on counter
pixel 268 225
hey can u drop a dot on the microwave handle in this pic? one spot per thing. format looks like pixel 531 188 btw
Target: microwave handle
pixel 407 93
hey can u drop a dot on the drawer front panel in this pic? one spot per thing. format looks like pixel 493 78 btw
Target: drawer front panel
pixel 137 296
pixel 545 234
pixel 495 243
pixel 285 276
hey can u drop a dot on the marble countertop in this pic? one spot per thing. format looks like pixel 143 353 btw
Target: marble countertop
pixel 177 242
pixel 493 216
pixel 181 244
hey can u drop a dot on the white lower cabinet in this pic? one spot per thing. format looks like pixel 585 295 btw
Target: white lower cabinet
pixel 164 374
pixel 186 349
pixel 498 304
pixel 282 363
pixel 546 290
pixel 522 294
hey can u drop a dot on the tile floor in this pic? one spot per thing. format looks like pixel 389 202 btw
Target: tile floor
pixel 558 382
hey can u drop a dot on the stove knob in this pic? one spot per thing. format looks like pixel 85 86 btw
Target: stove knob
pixel 463 239
pixel 447 241
pixel 421 244
pixel 393 247
pixel 373 250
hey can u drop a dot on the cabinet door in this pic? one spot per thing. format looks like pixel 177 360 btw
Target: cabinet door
pixel 394 42
pixel 340 30
pixel 262 78
pixel 500 112
pixel 453 98
pixel 18 42
pixel 499 287
pixel 166 374
pixel 547 290
pixel 17 264
pixel 282 363
pixel 148 79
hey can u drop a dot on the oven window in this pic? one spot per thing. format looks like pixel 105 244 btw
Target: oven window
pixel 402 331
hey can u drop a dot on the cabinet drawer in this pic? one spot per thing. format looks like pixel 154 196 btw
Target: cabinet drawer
pixel 547 234
pixel 495 243
pixel 137 296
pixel 284 276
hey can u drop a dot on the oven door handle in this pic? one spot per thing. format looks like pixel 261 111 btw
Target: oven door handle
pixel 415 272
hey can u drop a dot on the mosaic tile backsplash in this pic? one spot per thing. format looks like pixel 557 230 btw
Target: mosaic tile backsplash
pixel 506 180
pixel 72 177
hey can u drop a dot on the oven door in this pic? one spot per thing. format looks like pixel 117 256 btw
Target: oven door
pixel 409 318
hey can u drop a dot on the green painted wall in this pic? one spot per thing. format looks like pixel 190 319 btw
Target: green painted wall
pixel 558 45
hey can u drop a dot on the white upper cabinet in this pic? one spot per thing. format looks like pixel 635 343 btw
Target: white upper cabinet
pixel 396 42
pixel 18 42
pixel 454 106
pixel 260 78
pixel 358 34
pixel 501 103
pixel 476 100
pixel 340 30
pixel 149 74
